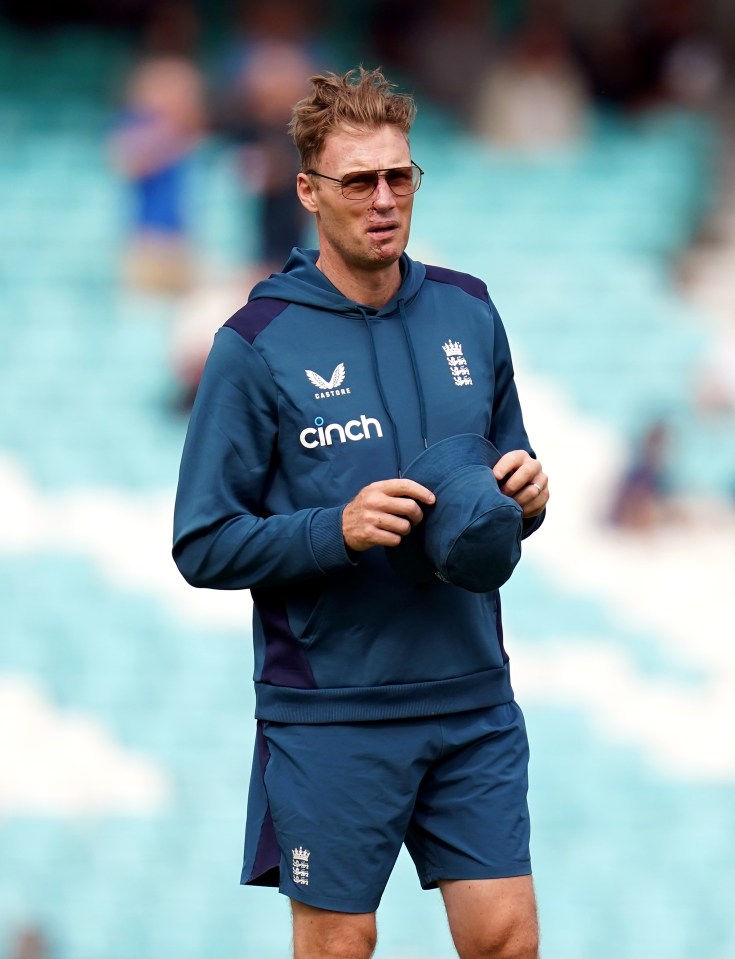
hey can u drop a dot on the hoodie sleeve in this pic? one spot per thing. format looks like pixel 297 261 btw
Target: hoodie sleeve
pixel 223 538
pixel 507 431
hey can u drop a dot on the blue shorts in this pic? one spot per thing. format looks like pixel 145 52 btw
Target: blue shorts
pixel 330 805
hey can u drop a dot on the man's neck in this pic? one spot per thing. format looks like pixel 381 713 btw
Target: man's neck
pixel 371 288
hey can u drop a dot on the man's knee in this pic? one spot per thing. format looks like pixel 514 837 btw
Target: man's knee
pixel 322 934
pixel 517 942
pixel 347 942
pixel 493 918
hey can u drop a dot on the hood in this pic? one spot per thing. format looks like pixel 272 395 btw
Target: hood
pixel 302 283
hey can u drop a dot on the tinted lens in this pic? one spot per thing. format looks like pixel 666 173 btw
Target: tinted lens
pixel 357 185
pixel 403 180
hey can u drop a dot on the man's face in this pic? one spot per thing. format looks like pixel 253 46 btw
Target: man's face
pixel 369 234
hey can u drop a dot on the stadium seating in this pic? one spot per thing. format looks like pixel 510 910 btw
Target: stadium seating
pixel 577 250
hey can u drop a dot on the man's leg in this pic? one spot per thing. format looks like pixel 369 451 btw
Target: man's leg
pixel 322 934
pixel 492 918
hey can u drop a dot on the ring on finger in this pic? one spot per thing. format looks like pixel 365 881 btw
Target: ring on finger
pixel 539 488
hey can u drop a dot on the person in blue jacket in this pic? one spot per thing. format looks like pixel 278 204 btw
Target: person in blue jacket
pixel 385 713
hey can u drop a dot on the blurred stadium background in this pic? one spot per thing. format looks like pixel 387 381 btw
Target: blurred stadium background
pixel 580 159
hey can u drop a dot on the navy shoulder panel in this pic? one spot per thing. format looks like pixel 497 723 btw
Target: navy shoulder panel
pixel 470 284
pixel 253 318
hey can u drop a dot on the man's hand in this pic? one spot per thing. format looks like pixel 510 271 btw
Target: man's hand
pixel 383 512
pixel 520 476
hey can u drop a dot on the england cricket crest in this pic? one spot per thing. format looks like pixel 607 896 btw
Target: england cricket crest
pixel 300 865
pixel 457 363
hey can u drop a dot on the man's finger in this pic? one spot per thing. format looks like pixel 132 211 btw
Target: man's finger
pixel 509 463
pixel 394 524
pixel 405 487
pixel 515 472
pixel 401 506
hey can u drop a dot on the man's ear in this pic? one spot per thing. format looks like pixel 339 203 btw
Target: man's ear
pixel 305 190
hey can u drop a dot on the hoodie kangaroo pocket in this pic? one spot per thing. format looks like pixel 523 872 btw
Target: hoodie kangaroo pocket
pixel 305 607
pixel 311 628
pixel 343 608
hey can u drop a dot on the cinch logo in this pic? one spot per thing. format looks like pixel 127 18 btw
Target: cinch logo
pixel 354 430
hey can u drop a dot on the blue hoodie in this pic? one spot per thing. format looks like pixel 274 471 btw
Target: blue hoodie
pixel 307 397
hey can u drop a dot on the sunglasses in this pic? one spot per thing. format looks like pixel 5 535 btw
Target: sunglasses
pixel 402 180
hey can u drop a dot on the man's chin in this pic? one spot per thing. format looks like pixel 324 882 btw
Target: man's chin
pixel 386 254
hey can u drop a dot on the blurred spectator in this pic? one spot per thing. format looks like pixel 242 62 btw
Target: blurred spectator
pixel 534 96
pixel 392 26
pixel 172 28
pixel 618 73
pixel 265 75
pixel 690 66
pixel 642 501
pixel 716 380
pixel 449 49
pixel 650 53
pixel 29 943
pixel 198 317
pixel 162 126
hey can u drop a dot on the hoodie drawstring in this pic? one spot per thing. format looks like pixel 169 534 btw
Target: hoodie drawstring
pixel 376 373
pixel 416 378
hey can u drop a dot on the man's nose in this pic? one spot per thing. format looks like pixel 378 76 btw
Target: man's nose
pixel 383 197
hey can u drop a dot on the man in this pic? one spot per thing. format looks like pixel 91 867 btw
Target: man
pixel 385 711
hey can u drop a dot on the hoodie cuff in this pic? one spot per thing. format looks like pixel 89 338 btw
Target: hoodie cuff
pixel 531 525
pixel 327 541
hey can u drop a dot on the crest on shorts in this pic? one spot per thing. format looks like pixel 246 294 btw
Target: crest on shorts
pixel 300 865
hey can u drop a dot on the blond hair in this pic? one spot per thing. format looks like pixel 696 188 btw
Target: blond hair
pixel 359 99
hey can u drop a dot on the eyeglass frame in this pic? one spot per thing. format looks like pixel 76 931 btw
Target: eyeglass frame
pixel 379 173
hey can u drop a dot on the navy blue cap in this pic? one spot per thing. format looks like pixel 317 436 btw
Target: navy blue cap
pixel 471 536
